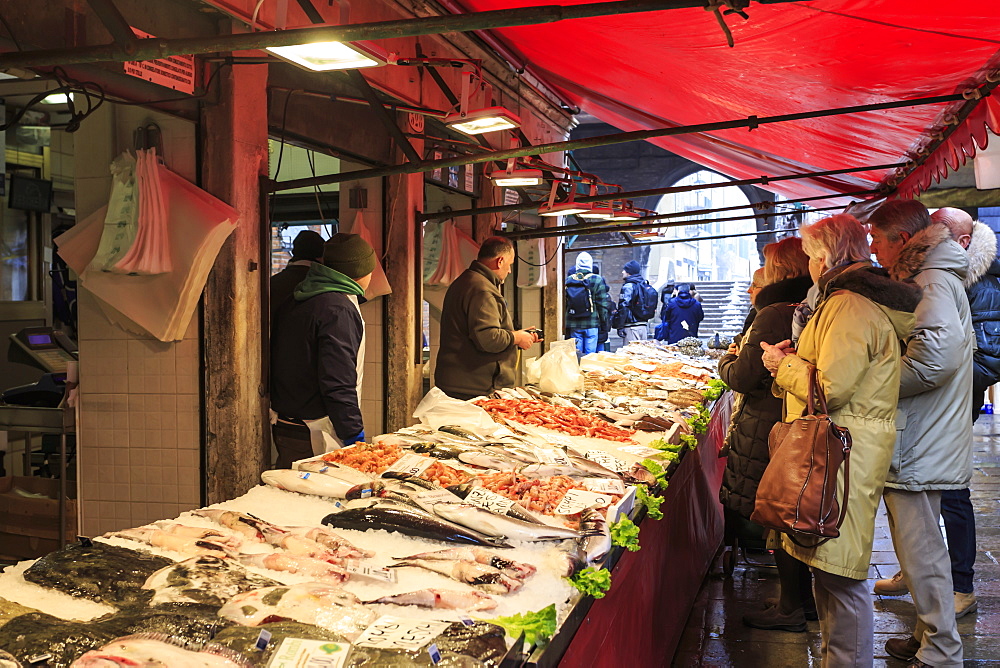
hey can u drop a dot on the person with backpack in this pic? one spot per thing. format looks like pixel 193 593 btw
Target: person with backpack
pixel 636 305
pixel 588 304
pixel 682 315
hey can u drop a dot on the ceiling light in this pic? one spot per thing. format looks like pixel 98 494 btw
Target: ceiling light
pixel 514 178
pixel 599 211
pixel 624 213
pixel 479 121
pixel 562 209
pixel 326 56
pixel 58 98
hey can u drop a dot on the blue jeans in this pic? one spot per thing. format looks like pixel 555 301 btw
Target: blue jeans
pixel 960 526
pixel 586 340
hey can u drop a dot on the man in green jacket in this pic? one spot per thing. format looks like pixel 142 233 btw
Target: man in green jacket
pixel 478 351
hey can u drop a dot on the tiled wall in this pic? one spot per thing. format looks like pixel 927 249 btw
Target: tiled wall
pixel 140 408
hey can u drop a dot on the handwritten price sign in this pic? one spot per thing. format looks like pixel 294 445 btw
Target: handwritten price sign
pixel 609 462
pixel 300 653
pixel 484 498
pixel 578 499
pixel 390 632
pixel 365 571
pixel 411 464
pixel 552 456
pixel 604 485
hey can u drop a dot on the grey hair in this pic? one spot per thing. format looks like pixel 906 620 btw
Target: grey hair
pixel 836 239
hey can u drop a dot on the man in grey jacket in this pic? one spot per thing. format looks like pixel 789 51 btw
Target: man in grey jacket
pixel 934 435
pixel 479 345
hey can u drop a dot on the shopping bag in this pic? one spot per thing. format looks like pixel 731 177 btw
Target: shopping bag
pixel 559 369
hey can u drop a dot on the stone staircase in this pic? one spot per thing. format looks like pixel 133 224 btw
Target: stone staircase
pixel 726 304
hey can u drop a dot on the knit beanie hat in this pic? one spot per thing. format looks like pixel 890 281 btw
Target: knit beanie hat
pixel 349 254
pixel 584 262
pixel 632 267
pixel 308 245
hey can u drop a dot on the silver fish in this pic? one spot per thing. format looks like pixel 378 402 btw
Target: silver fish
pixel 481 576
pixel 511 568
pixel 409 521
pixel 444 599
pixel 334 470
pixel 488 460
pixel 305 482
pixel 461 432
pixel 492 524
pixel 597 534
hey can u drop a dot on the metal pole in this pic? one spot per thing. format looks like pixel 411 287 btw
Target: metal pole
pixel 605 140
pixel 689 239
pixel 156 48
pixel 634 194
pixel 544 233
pixel 572 229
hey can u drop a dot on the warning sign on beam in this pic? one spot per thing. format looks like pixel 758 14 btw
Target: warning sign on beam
pixel 176 72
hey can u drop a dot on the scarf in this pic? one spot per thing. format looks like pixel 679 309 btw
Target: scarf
pixel 322 279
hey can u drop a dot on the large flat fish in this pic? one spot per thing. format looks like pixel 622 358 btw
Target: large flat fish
pixel 492 524
pixel 208 580
pixel 325 605
pixel 409 521
pixel 150 651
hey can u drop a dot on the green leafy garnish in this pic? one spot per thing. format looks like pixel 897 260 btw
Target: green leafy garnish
pixel 689 440
pixel 625 534
pixel 538 626
pixel 715 389
pixel 651 502
pixel 657 470
pixel 665 445
pixel 699 421
pixel 592 581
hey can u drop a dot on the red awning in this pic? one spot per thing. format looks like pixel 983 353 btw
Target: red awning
pixel 674 68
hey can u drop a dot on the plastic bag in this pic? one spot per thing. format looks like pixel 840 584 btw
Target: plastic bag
pixel 532 370
pixel 121 220
pixel 437 409
pixel 150 252
pixel 531 264
pixel 560 370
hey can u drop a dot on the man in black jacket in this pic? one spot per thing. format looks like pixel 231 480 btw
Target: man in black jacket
pixel 317 352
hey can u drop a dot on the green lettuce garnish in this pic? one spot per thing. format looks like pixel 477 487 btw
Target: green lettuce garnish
pixel 665 445
pixel 689 440
pixel 625 534
pixel 657 470
pixel 592 581
pixel 715 389
pixel 538 626
pixel 651 502
pixel 699 421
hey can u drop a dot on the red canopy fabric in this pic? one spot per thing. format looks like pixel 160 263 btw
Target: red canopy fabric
pixel 674 68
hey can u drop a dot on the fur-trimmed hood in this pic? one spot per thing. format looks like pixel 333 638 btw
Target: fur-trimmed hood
pixel 897 299
pixel 930 248
pixel 792 290
pixel 982 253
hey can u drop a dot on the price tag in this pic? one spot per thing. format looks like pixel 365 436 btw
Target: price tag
pixel 643 366
pixel 411 464
pixel 410 635
pixel 301 653
pixel 484 498
pixel 607 461
pixel 657 394
pixel 430 497
pixel 604 485
pixel 692 371
pixel 552 456
pixel 639 450
pixel 365 571
pixel 434 653
pixel 578 499
pixel 263 640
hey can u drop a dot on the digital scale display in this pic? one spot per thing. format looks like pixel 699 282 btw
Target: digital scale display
pixel 40 339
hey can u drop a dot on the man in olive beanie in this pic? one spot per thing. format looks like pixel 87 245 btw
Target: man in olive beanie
pixel 317 354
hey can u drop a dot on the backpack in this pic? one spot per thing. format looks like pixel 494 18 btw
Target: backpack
pixel 645 299
pixel 579 302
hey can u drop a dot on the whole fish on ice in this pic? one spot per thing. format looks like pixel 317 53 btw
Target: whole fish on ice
pixel 318 603
pixel 306 482
pixel 209 580
pixel 443 599
pixel 155 650
pixel 242 523
pixel 410 521
pixel 186 545
pixel 596 534
pixel 314 568
pixel 492 524
pixel 489 579
pixel 510 567
pixel 334 470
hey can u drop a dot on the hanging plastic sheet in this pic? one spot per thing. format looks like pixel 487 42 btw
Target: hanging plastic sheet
pixel 531 264
pixel 458 250
pixel 161 305
pixel 379 285
pixel 121 220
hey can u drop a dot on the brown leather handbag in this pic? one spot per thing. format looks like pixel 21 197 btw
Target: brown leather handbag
pixel 797 494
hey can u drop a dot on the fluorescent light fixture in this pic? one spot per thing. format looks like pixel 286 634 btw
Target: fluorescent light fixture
pixel 645 234
pixel 518 178
pixel 479 121
pixel 327 56
pixel 58 98
pixel 624 214
pixel 599 211
pixel 563 209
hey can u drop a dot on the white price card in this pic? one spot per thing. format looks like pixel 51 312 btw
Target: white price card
pixel 433 496
pixel 692 371
pixel 609 462
pixel 604 485
pixel 639 450
pixel 411 464
pixel 358 569
pixel 484 498
pixel 301 653
pixel 388 632
pixel 657 394
pixel 643 366
pixel 578 499
pixel 552 456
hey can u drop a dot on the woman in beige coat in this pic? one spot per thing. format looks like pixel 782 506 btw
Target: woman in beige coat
pixel 853 342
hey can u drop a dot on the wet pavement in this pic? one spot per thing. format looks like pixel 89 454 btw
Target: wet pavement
pixel 716 636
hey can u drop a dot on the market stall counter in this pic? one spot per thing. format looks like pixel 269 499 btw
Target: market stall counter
pixel 489 527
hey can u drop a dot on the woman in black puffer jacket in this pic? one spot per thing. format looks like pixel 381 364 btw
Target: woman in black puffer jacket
pixel 786 282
